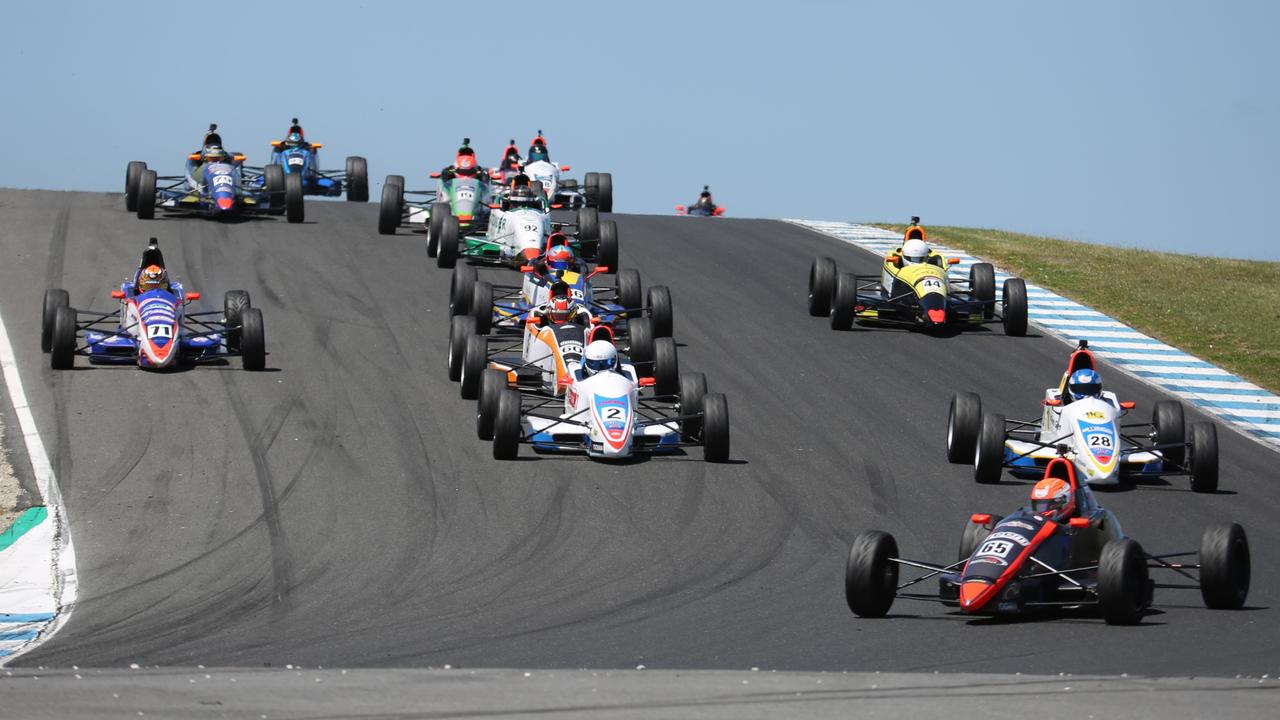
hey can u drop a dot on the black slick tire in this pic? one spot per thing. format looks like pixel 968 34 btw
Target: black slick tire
pixel 253 340
pixel 660 311
pixel 1122 582
pixel 1204 457
pixel 1224 567
pixel 988 459
pixel 846 296
pixel 357 179
pixel 506 426
pixel 870 576
pixel 982 287
pixel 234 303
pixel 964 422
pixel 822 283
pixel 1170 425
pixel 1014 307
pixel 54 298
pixel 294 207
pixel 62 351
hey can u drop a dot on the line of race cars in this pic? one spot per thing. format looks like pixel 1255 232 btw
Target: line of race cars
pixel 1063 552
pixel 560 361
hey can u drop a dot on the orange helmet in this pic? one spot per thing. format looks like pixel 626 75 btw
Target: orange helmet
pixel 1052 498
pixel 153 277
pixel 559 310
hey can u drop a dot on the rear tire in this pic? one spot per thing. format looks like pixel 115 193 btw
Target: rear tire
pixel 506 426
pixel 273 183
pixel 62 353
pixel 1014 307
pixel 666 367
pixel 1204 457
pixel 660 311
pixel 54 298
pixel 870 577
pixel 147 195
pixel 475 358
pixel 607 247
pixel 1170 426
pixel 460 288
pixel 640 341
pixel 1224 567
pixel 447 247
pixel 1122 582
pixel 253 341
pixel 131 175
pixel 492 383
pixel 964 422
pixel 294 210
pixel 482 306
pixel 822 283
pixel 982 287
pixel 234 303
pixel 389 209
pixel 629 295
pixel 588 223
pixel 590 188
pixel 461 327
pixel 988 460
pixel 357 179
pixel 715 428
pixel 846 296
pixel 693 390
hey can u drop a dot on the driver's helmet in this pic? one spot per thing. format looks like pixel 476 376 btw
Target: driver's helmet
pixel 1084 383
pixel 538 153
pixel 705 197
pixel 213 154
pixel 522 196
pixel 915 252
pixel 293 140
pixel 560 257
pixel 152 277
pixel 1052 498
pixel 600 355
pixel 559 310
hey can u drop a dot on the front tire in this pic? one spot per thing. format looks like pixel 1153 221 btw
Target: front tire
pixel 253 341
pixel 131 175
pixel 1224 567
pixel 482 306
pixel 460 289
pixel 475 358
pixel 666 367
pixel 870 575
pixel 964 422
pixel 846 297
pixel 357 179
pixel 715 428
pixel 506 426
pixel 693 390
pixel 822 283
pixel 62 352
pixel 1014 307
pixel 629 295
pixel 604 192
pixel 588 223
pixel 54 298
pixel 1122 582
pixel 492 383
pixel 273 183
pixel 294 210
pixel 640 341
pixel 660 310
pixel 447 247
pixel 147 195
pixel 607 247
pixel 982 287
pixel 461 327
pixel 988 461
pixel 1204 457
pixel 435 220
pixel 234 303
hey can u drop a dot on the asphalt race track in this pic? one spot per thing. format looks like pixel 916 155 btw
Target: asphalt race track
pixel 338 510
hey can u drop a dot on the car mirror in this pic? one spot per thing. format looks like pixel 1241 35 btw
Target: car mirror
pixel 600 269
pixel 1054 402
pixel 193 296
pixel 1128 405
pixel 893 258
pixel 526 268
pixel 495 206
pixel 435 175
pixel 1078 523
pixel 117 294
pixel 316 146
pixel 980 518
pixel 565 168
pixel 647 382
pixel 953 261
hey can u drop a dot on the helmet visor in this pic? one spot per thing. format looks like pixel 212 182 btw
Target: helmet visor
pixel 595 366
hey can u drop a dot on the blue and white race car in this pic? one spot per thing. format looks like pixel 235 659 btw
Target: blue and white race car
pixel 295 155
pixel 152 328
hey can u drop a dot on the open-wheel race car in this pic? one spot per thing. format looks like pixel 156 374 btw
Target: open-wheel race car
pixel 295 155
pixel 215 184
pixel 1062 553
pixel 915 290
pixel 1084 424
pixel 152 328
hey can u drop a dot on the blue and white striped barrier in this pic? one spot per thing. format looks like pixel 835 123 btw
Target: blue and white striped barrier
pixel 1237 402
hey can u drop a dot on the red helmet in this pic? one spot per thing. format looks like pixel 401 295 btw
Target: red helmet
pixel 560 257
pixel 559 310
pixel 465 161
pixel 1052 498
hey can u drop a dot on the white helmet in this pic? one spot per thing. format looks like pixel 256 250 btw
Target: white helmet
pixel 915 251
pixel 600 355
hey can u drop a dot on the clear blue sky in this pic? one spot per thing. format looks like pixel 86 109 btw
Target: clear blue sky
pixel 1149 124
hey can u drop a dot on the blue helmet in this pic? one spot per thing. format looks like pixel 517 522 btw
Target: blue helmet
pixel 560 257
pixel 1084 383
pixel 294 139
pixel 538 153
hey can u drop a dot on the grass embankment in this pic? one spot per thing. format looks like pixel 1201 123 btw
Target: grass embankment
pixel 1222 310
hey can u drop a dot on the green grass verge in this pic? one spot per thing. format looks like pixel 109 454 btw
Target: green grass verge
pixel 1222 310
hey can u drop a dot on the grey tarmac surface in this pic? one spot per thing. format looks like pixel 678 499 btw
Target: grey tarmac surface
pixel 338 510
pixel 394 694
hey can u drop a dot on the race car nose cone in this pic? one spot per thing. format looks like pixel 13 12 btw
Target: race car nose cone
pixel 464 218
pixel 973 595
pixel 937 317
pixel 224 203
